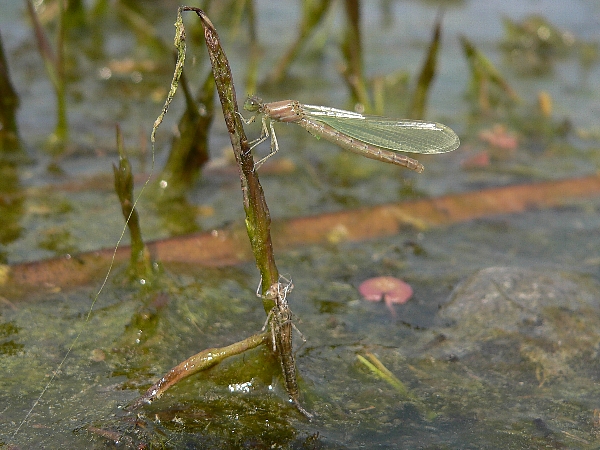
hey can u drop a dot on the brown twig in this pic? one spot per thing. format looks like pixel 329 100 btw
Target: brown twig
pixel 197 363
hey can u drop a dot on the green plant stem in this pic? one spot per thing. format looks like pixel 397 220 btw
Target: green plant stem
pixel 189 150
pixel 419 99
pixel 9 102
pixel 141 263
pixel 382 372
pixel 313 11
pixel 352 51
pixel 54 65
pixel 258 219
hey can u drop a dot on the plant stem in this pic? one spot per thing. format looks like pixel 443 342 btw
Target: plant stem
pixel 258 219
pixel 197 363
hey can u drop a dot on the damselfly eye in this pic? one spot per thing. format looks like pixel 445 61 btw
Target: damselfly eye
pixel 252 104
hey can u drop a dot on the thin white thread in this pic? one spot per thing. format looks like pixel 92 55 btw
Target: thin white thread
pixel 180 44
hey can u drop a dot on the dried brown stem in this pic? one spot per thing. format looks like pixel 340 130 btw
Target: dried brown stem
pixel 197 363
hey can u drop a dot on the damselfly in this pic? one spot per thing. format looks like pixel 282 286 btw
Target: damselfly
pixel 375 137
pixel 280 317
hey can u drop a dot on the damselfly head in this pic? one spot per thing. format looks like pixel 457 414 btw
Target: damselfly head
pixel 253 103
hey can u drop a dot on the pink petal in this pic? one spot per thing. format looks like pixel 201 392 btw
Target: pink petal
pixel 481 159
pixel 390 289
pixel 499 137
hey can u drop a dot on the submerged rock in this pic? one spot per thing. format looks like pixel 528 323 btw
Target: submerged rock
pixel 524 319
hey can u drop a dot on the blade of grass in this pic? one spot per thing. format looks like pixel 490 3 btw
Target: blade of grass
pixel 483 75
pixel 313 11
pixel 376 366
pixel 419 100
pixel 53 64
pixel 352 50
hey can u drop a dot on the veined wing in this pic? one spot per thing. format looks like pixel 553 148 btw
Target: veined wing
pixel 413 136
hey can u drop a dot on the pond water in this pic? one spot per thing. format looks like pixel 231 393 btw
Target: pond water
pixel 497 348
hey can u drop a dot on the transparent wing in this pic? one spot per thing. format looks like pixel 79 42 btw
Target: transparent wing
pixel 413 136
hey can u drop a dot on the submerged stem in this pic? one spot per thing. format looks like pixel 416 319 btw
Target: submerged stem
pixel 197 363
pixel 141 263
